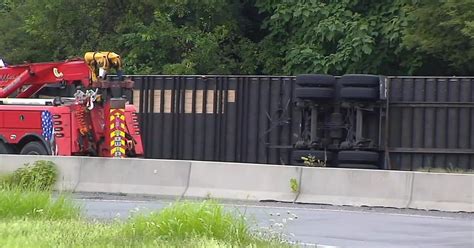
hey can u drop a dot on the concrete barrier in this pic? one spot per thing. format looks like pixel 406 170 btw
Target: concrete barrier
pixel 355 187
pixel 242 181
pixel 69 168
pixel 134 176
pixel 106 175
pixel 256 182
pixel 442 191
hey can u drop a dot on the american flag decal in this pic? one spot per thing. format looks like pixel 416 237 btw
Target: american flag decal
pixel 47 125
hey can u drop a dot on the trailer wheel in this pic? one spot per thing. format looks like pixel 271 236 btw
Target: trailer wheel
pixel 358 156
pixel 314 93
pixel 360 93
pixel 5 148
pixel 315 80
pixel 360 80
pixel 34 148
pixel 358 166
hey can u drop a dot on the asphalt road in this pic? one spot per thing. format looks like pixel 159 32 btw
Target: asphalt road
pixel 324 225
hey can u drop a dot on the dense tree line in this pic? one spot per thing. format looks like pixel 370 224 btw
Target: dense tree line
pixel 391 37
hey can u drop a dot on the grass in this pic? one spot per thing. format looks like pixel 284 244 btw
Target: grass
pixel 186 219
pixel 183 224
pixel 26 193
pixel 41 233
pixel 15 203
pixel 31 217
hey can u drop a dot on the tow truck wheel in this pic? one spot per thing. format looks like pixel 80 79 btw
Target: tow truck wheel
pixel 34 148
pixel 5 148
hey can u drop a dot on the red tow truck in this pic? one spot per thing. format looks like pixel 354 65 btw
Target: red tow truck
pixel 96 121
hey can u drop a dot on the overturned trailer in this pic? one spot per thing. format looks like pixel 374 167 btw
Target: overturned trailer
pixel 360 121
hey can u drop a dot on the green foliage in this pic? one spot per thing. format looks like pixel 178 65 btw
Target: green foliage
pixel 26 193
pixel 5 5
pixel 312 161
pixel 334 36
pixel 16 203
pixel 41 176
pixel 294 185
pixel 89 234
pixel 185 220
pixel 442 33
pixel 179 225
pixel 189 37
pixel 391 37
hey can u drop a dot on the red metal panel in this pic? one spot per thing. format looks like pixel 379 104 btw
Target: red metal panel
pixel 22 120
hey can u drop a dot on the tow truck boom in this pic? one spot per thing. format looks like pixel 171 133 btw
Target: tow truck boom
pixel 100 121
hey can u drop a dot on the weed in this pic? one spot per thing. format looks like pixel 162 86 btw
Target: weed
pixel 295 188
pixel 40 176
pixel 312 161
pixel 277 230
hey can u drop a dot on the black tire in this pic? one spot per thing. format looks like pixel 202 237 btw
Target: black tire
pixel 360 80
pixel 360 93
pixel 359 166
pixel 314 93
pixel 358 156
pixel 315 80
pixel 5 148
pixel 34 148
pixel 318 154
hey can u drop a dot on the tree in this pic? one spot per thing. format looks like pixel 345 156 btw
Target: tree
pixel 391 37
pixel 189 37
pixel 45 30
pixel 442 34
pixel 334 36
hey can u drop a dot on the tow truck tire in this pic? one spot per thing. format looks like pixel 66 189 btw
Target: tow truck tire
pixel 5 148
pixel 315 80
pixel 34 148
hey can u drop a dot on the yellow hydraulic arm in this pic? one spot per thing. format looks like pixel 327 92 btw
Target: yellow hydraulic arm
pixel 103 62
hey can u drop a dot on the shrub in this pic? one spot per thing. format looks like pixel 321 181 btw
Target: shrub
pixel 40 176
